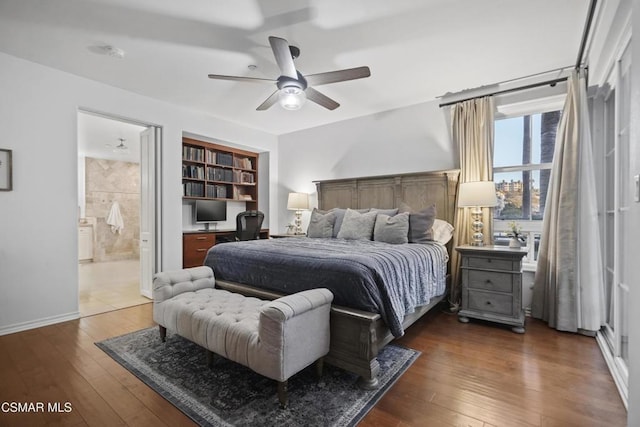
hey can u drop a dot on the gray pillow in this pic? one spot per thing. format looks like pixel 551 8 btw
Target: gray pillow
pixel 390 212
pixel 321 225
pixel 392 229
pixel 357 226
pixel 339 212
pixel 420 223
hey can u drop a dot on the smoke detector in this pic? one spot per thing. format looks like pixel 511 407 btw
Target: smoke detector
pixel 109 50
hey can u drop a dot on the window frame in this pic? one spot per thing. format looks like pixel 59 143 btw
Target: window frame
pixel 530 227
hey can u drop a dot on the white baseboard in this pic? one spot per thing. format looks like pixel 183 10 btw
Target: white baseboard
pixel 32 324
pixel 613 369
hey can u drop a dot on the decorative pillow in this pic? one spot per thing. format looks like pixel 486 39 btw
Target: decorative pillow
pixel 390 212
pixel 420 223
pixel 357 226
pixel 392 229
pixel 339 212
pixel 442 231
pixel 321 225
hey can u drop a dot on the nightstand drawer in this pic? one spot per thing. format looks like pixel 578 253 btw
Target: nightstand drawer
pixel 490 302
pixel 490 281
pixel 489 263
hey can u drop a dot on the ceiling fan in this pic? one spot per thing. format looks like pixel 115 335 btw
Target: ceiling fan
pixel 121 148
pixel 293 87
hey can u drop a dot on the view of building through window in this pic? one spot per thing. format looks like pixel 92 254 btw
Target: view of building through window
pixel 523 153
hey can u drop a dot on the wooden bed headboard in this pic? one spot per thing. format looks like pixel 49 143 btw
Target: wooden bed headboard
pixel 418 190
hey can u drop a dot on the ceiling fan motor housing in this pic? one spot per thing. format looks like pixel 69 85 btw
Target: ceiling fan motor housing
pixel 285 81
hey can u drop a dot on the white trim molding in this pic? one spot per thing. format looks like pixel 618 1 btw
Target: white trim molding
pixel 616 370
pixel 32 324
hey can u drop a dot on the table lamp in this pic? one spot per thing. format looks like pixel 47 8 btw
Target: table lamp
pixel 477 195
pixel 298 202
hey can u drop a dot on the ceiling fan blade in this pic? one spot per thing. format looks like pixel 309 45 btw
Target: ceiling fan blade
pixel 240 79
pixel 283 56
pixel 272 99
pixel 320 99
pixel 338 76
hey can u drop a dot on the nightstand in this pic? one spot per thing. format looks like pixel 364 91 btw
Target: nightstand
pixel 492 285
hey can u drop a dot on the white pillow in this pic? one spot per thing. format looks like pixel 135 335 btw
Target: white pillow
pixel 442 231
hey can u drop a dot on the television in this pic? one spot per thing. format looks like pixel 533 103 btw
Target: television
pixel 208 211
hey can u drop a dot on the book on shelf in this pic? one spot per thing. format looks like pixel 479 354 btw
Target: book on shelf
pixel 221 191
pixel 224 159
pixel 243 177
pixel 220 174
pixel 243 163
pixel 211 157
pixel 193 189
pixel 247 178
pixel 194 154
pixel 193 171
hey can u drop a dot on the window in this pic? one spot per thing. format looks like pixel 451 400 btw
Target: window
pixel 522 159
pixel 523 153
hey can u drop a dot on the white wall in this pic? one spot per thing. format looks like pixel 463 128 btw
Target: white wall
pixel 38 228
pixel 410 139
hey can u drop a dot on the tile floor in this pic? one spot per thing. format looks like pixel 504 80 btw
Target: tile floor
pixel 108 286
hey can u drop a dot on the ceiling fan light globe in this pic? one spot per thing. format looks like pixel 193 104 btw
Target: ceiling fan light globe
pixel 291 98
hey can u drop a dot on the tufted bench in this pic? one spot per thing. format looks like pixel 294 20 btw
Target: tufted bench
pixel 273 338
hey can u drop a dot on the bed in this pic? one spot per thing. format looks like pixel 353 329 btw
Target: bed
pixel 377 293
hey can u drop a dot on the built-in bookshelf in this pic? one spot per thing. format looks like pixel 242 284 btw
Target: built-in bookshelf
pixel 211 171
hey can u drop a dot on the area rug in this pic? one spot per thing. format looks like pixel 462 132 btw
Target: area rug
pixel 229 394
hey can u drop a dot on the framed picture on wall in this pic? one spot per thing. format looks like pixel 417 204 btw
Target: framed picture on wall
pixel 5 170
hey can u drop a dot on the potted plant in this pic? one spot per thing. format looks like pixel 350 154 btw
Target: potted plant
pixel 517 239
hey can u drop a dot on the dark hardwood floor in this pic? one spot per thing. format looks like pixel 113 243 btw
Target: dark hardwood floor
pixel 474 374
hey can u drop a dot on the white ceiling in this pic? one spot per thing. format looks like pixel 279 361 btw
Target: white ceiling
pixel 99 136
pixel 416 49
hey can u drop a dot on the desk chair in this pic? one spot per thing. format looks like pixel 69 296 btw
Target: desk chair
pixel 248 225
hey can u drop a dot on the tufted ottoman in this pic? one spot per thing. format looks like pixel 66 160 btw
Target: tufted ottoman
pixel 273 338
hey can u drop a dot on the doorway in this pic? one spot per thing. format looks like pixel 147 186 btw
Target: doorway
pixel 116 212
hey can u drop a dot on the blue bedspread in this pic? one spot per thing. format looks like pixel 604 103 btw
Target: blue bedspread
pixel 377 277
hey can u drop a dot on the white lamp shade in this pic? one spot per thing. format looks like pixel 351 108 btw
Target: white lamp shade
pixel 298 201
pixel 477 193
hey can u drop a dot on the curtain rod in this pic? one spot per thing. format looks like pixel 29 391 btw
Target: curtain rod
pixel 585 33
pixel 513 89
pixel 583 45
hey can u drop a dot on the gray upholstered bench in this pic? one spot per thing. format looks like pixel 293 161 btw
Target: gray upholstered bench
pixel 276 338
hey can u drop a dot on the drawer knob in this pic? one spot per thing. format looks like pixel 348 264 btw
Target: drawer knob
pixel 488 302
pixel 201 250
pixel 201 238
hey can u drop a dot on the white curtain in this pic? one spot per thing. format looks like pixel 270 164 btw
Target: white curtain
pixel 472 130
pixel 568 291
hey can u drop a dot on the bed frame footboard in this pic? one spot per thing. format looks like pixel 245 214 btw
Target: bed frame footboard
pixel 356 336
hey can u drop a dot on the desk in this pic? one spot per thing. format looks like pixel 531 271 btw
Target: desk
pixel 196 243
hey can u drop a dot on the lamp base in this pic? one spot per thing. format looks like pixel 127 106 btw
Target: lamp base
pixel 477 238
pixel 298 222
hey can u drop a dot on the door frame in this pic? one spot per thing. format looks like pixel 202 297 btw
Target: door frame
pixel 154 197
